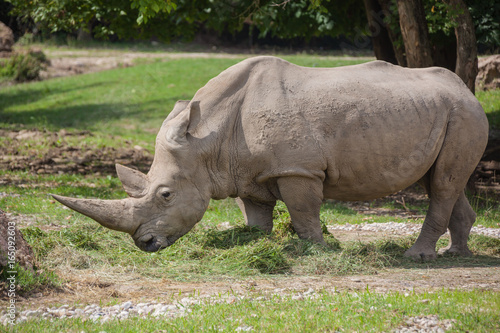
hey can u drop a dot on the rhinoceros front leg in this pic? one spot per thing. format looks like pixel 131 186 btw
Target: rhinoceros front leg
pixel 303 197
pixel 256 213
pixel 461 221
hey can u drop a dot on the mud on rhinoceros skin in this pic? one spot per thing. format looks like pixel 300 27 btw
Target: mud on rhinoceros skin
pixel 266 130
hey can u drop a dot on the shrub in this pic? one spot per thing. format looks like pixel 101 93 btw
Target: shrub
pixel 24 66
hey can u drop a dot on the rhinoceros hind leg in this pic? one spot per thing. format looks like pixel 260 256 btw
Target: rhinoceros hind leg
pixel 434 226
pixel 461 221
pixel 443 198
pixel 256 213
pixel 303 197
pixel 461 151
pixel 424 248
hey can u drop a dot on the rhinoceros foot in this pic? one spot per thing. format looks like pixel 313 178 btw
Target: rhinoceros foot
pixel 421 254
pixel 456 251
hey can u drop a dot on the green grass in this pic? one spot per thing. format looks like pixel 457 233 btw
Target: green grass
pixel 130 103
pixel 479 311
pixel 490 100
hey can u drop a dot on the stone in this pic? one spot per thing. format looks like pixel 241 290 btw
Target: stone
pixel 6 38
pixel 126 305
pixel 11 236
pixel 488 76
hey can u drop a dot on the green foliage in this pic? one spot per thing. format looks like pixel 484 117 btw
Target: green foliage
pixel 182 19
pixel 151 8
pixel 485 15
pixel 440 17
pixel 441 21
pixel 126 19
pixel 290 19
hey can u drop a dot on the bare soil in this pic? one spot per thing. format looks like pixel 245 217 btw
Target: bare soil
pixel 66 63
pixel 56 156
pixel 87 286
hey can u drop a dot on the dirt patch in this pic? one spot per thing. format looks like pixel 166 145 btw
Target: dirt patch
pixel 66 63
pixel 52 154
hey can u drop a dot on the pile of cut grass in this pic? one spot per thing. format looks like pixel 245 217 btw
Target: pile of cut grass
pixel 207 252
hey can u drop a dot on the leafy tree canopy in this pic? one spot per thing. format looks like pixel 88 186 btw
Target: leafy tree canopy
pixel 168 19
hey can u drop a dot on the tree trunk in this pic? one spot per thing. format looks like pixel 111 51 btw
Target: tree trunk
pixel 394 36
pixel 444 51
pixel 466 67
pixel 85 33
pixel 415 34
pixel 382 44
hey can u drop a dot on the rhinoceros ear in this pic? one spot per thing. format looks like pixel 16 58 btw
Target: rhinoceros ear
pixel 177 127
pixel 134 182
pixel 178 107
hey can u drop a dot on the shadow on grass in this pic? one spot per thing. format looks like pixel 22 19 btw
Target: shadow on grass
pixel 74 105
pixel 494 119
pixel 338 207
pixel 31 93
pixel 85 115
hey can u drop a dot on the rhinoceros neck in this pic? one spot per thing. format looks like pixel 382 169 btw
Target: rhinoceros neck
pixel 217 130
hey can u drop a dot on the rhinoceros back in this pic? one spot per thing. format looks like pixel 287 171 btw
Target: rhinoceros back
pixel 368 130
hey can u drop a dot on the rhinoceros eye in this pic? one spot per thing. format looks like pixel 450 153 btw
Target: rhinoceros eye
pixel 165 194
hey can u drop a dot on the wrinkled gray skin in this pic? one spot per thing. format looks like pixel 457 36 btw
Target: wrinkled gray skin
pixel 266 130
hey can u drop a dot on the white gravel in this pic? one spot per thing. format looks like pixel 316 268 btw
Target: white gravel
pixel 129 309
pixel 95 312
pixel 426 324
pixel 405 229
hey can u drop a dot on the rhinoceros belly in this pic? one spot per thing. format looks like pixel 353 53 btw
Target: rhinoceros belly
pixel 379 153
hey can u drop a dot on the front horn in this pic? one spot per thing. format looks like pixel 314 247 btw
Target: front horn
pixel 112 214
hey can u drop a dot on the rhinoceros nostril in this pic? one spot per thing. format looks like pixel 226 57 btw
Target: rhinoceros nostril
pixel 148 243
pixel 152 245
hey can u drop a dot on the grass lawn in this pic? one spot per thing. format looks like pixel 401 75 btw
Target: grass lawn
pixel 128 105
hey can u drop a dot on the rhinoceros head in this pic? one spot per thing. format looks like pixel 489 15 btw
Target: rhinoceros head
pixel 164 204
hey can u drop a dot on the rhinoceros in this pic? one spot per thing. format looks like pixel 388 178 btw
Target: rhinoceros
pixel 265 130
